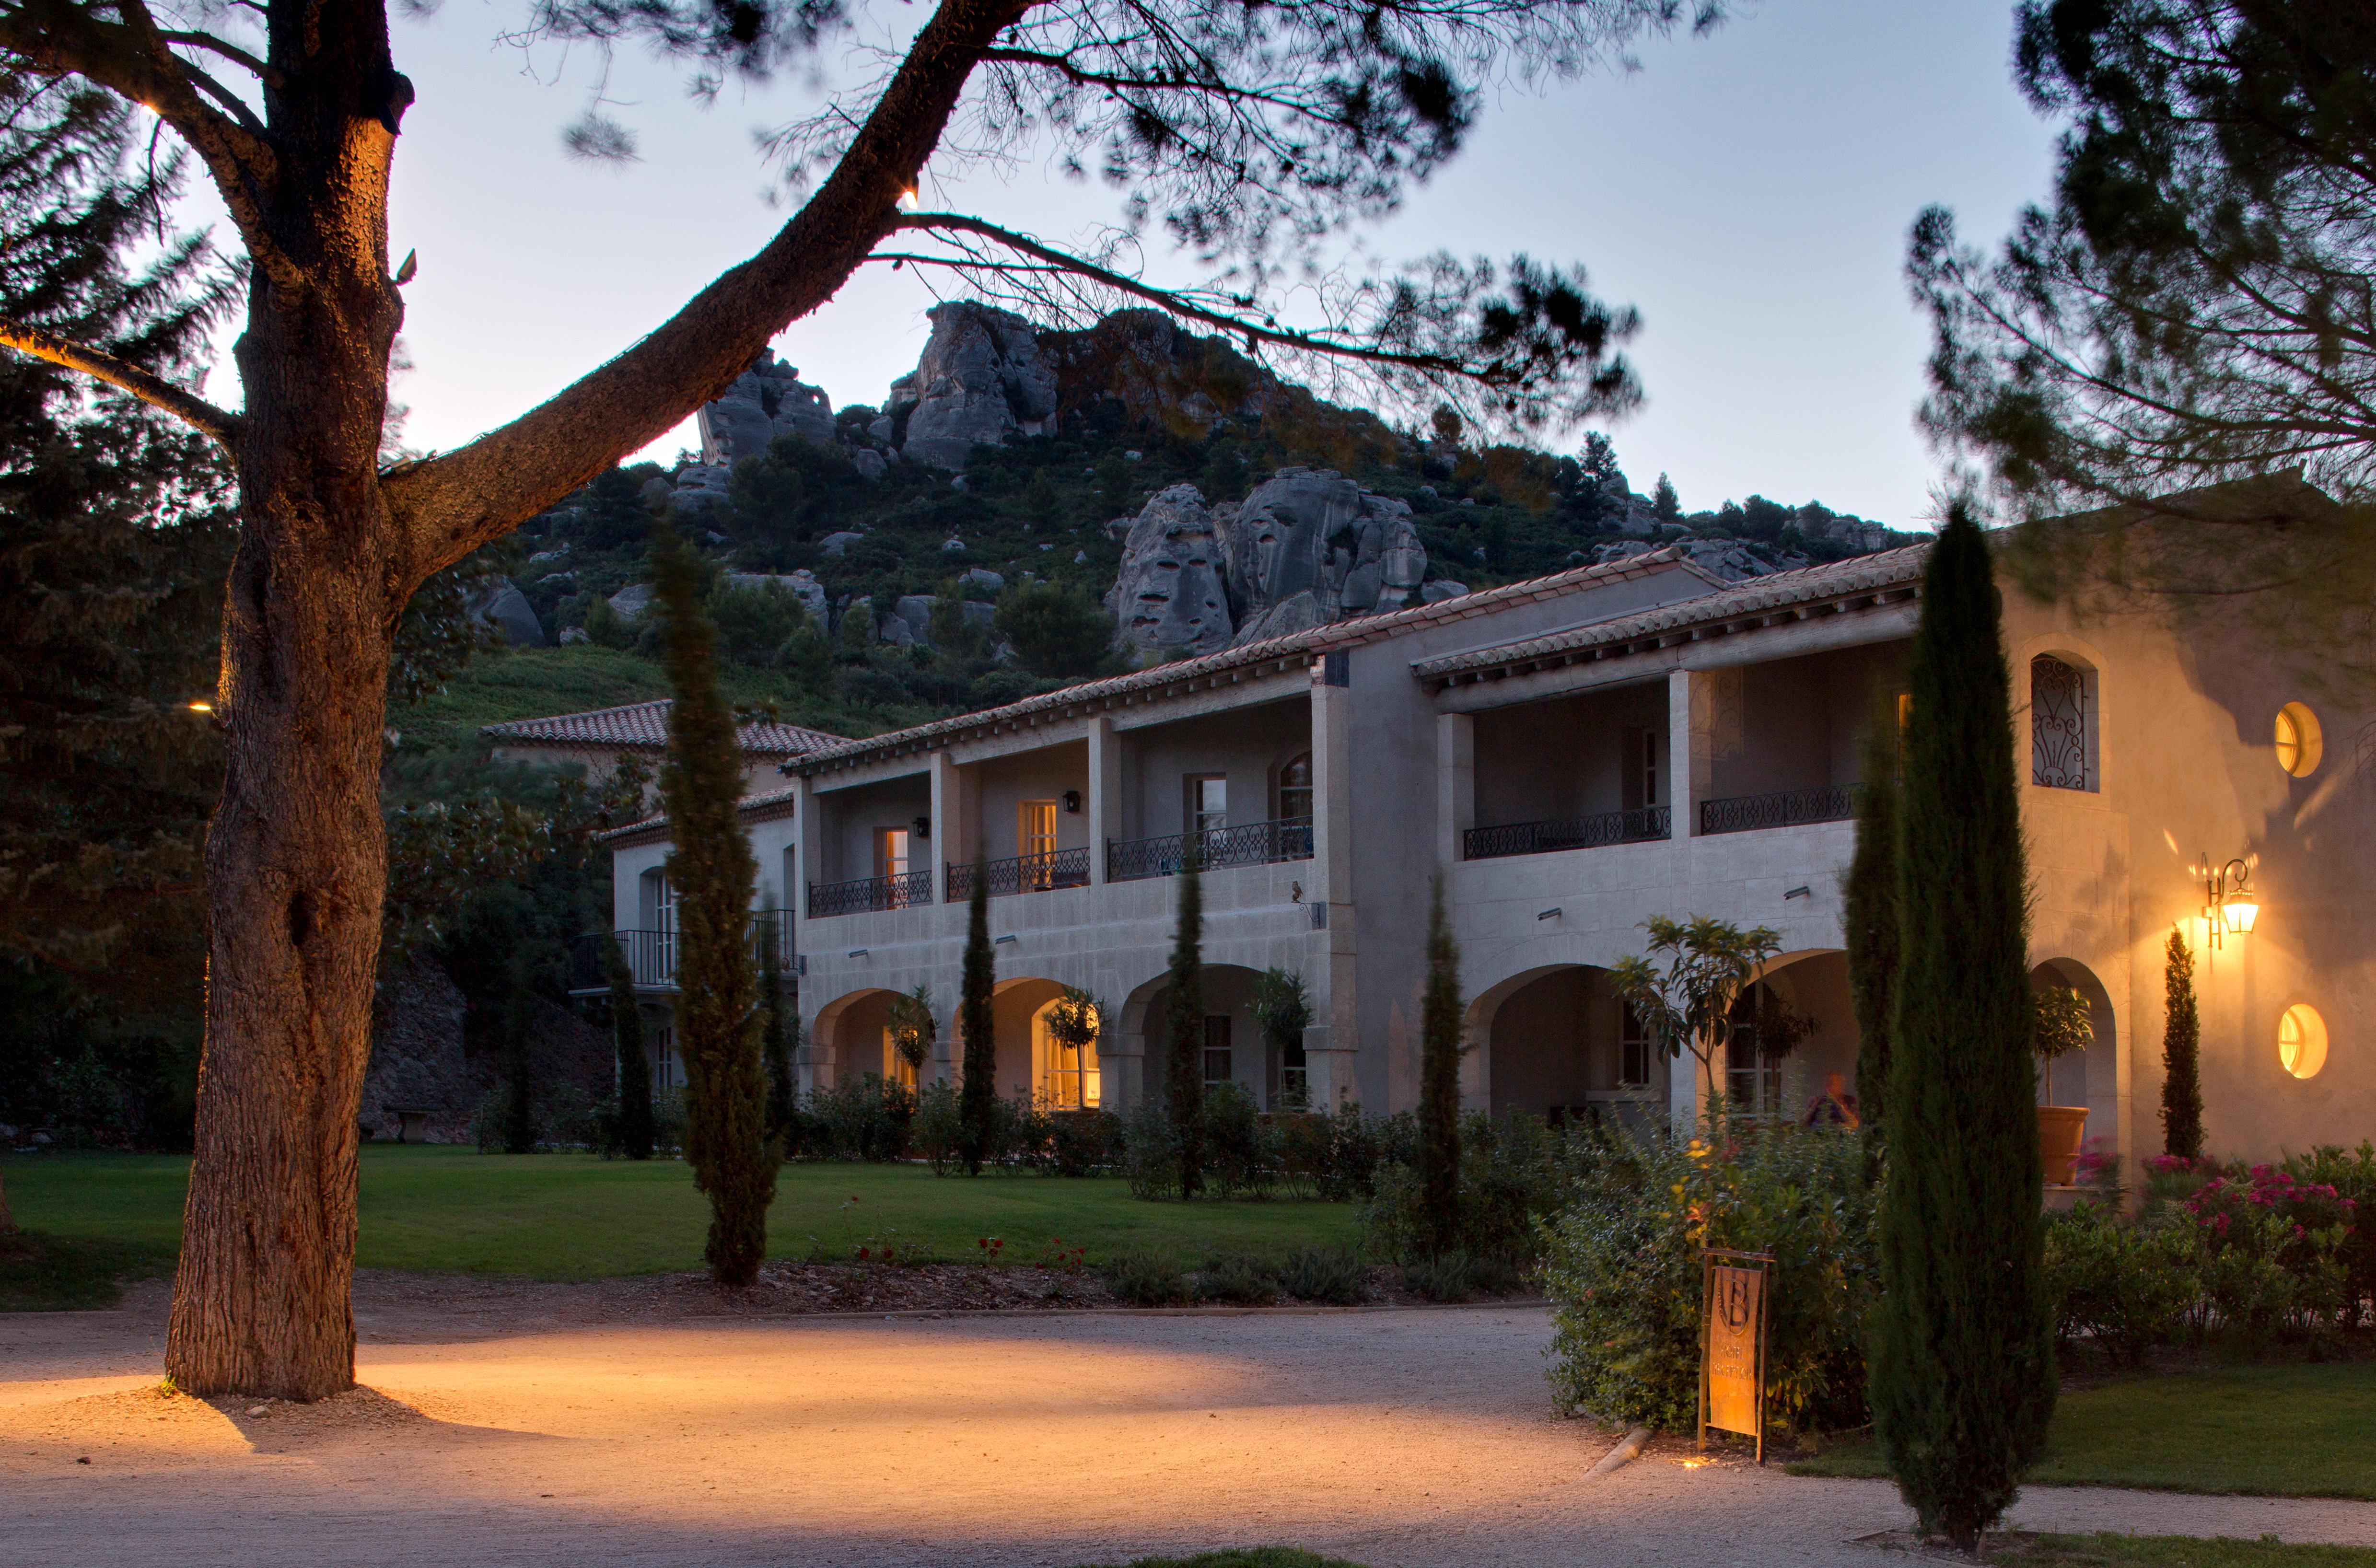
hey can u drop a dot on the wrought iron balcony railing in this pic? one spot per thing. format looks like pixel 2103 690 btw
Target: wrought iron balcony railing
pixel 1023 873
pixel 1566 833
pixel 870 894
pixel 652 955
pixel 1249 844
pixel 1784 808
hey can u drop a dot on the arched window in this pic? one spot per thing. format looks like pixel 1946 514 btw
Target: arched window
pixel 1295 789
pixel 2061 725
pixel 2301 743
pixel 2301 1040
pixel 1068 1074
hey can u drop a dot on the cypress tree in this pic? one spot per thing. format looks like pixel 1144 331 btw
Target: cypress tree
pixel 1871 917
pixel 978 1092
pixel 776 1031
pixel 714 878
pixel 1438 1088
pixel 1183 1067
pixel 1963 1354
pixel 520 1110
pixel 2181 1038
pixel 635 1074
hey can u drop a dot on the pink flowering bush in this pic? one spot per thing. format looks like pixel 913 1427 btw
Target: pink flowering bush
pixel 2272 1246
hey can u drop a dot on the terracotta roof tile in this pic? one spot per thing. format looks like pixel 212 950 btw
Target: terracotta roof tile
pixel 643 726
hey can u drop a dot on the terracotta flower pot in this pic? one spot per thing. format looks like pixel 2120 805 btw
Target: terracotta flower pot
pixel 2061 1129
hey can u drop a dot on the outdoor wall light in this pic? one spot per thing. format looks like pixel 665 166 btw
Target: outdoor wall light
pixel 996 940
pixel 858 952
pixel 1550 914
pixel 1073 801
pixel 2230 907
pixel 921 828
pixel 1798 893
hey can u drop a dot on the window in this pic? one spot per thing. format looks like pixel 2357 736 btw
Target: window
pixel 664 1058
pixel 1217 1051
pixel 1641 788
pixel 2058 724
pixel 895 1067
pixel 2301 1040
pixel 1632 1050
pixel 1035 840
pixel 890 851
pixel 1068 1075
pixel 1295 789
pixel 2301 744
pixel 1209 801
pixel 660 918
pixel 1294 1077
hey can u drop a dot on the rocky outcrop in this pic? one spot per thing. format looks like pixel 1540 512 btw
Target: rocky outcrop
pixel 982 378
pixel 803 585
pixel 1305 547
pixel 1171 595
pixel 417 1063
pixel 500 604
pixel 768 400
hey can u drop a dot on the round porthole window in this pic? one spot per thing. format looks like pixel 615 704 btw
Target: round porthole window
pixel 2301 1040
pixel 2300 743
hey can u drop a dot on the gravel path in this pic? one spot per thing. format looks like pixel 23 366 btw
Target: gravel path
pixel 555 1425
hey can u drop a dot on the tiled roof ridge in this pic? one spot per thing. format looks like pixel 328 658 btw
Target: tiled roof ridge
pixel 645 724
pixel 1323 638
pixel 1882 569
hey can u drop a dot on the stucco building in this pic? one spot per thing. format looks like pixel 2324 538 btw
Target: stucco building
pixel 1575 754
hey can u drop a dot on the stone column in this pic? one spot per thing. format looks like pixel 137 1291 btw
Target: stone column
pixel 808 836
pixel 1685 778
pixel 1332 1044
pixel 1105 794
pixel 1455 783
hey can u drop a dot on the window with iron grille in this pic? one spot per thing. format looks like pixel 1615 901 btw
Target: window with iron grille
pixel 2058 724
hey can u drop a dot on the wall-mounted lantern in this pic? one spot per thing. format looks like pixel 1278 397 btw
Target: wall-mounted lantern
pixel 1073 801
pixel 2230 907
pixel 920 829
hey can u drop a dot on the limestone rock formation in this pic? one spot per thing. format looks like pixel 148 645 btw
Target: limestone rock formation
pixel 1173 591
pixel 502 605
pixel 803 584
pixel 768 400
pixel 983 377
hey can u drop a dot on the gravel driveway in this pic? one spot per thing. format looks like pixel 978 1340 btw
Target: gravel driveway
pixel 572 1425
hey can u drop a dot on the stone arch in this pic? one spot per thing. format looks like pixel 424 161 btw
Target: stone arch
pixel 1812 983
pixel 850 1038
pixel 1230 997
pixel 2098 1067
pixel 1551 1041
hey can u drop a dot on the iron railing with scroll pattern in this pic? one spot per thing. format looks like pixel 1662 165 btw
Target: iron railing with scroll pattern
pixel 1566 833
pixel 869 895
pixel 1023 873
pixel 1784 808
pixel 1248 843
pixel 652 955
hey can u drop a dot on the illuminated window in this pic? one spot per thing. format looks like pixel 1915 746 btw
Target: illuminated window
pixel 2301 1040
pixel 2300 744
pixel 1069 1079
pixel 1034 842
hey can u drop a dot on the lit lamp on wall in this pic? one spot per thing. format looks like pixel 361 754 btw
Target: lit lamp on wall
pixel 2232 907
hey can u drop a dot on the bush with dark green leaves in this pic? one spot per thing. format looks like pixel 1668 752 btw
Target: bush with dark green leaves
pixel 1241 1147
pixel 1144 1279
pixel 1622 1265
pixel 1150 1151
pixel 868 1120
pixel 1056 631
pixel 1443 1277
pixel 1331 1278
pixel 1514 1172
pixel 1237 1281
pixel 2118 1288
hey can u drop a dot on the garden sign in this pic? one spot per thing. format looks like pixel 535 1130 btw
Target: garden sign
pixel 1732 1343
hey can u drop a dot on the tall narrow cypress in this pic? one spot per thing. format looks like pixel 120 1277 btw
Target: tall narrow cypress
pixel 1963 1354
pixel 1439 1085
pixel 978 1093
pixel 520 1110
pixel 2182 1041
pixel 1183 1067
pixel 1870 896
pixel 714 878
pixel 774 1030
pixel 636 1131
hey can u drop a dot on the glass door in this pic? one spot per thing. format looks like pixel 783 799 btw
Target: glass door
pixel 1034 842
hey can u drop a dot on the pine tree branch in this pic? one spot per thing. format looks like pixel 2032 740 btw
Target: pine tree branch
pixel 448 505
pixel 154 390
pixel 230 52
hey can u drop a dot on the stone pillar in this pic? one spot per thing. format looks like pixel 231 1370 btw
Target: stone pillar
pixel 952 822
pixel 1455 783
pixel 1105 794
pixel 1332 981
pixel 1685 780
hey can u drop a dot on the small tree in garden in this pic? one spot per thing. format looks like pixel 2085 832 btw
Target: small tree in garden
pixel 1871 917
pixel 2064 1024
pixel 1963 1349
pixel 1688 1004
pixel 774 1030
pixel 1439 1081
pixel 714 875
pixel 1073 1022
pixel 910 1019
pixel 519 1108
pixel 1183 1075
pixel 634 1072
pixel 1282 1010
pixel 2182 1077
pixel 977 1095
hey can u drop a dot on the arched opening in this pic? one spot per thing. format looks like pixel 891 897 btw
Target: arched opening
pixel 1230 1047
pixel 851 1038
pixel 1794 1032
pixel 1295 789
pixel 2089 1077
pixel 2062 723
pixel 1556 1042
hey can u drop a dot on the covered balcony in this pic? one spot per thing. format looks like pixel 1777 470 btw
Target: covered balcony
pixel 1572 773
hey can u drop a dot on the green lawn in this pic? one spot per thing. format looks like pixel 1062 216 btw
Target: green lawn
pixel 2267 1431
pixel 440 1209
pixel 2171 1552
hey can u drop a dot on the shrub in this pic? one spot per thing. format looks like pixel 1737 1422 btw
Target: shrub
pixel 2272 1247
pixel 1328 1153
pixel 2124 1289
pixel 1313 1274
pixel 867 1120
pixel 1239 1281
pixel 1443 1277
pixel 1150 1152
pixel 1082 1143
pixel 937 1127
pixel 1513 1173
pixel 1148 1280
pixel 1240 1148
pixel 1621 1263
pixel 2352 1175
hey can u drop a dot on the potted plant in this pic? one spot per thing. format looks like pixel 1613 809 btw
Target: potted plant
pixel 2064 1022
